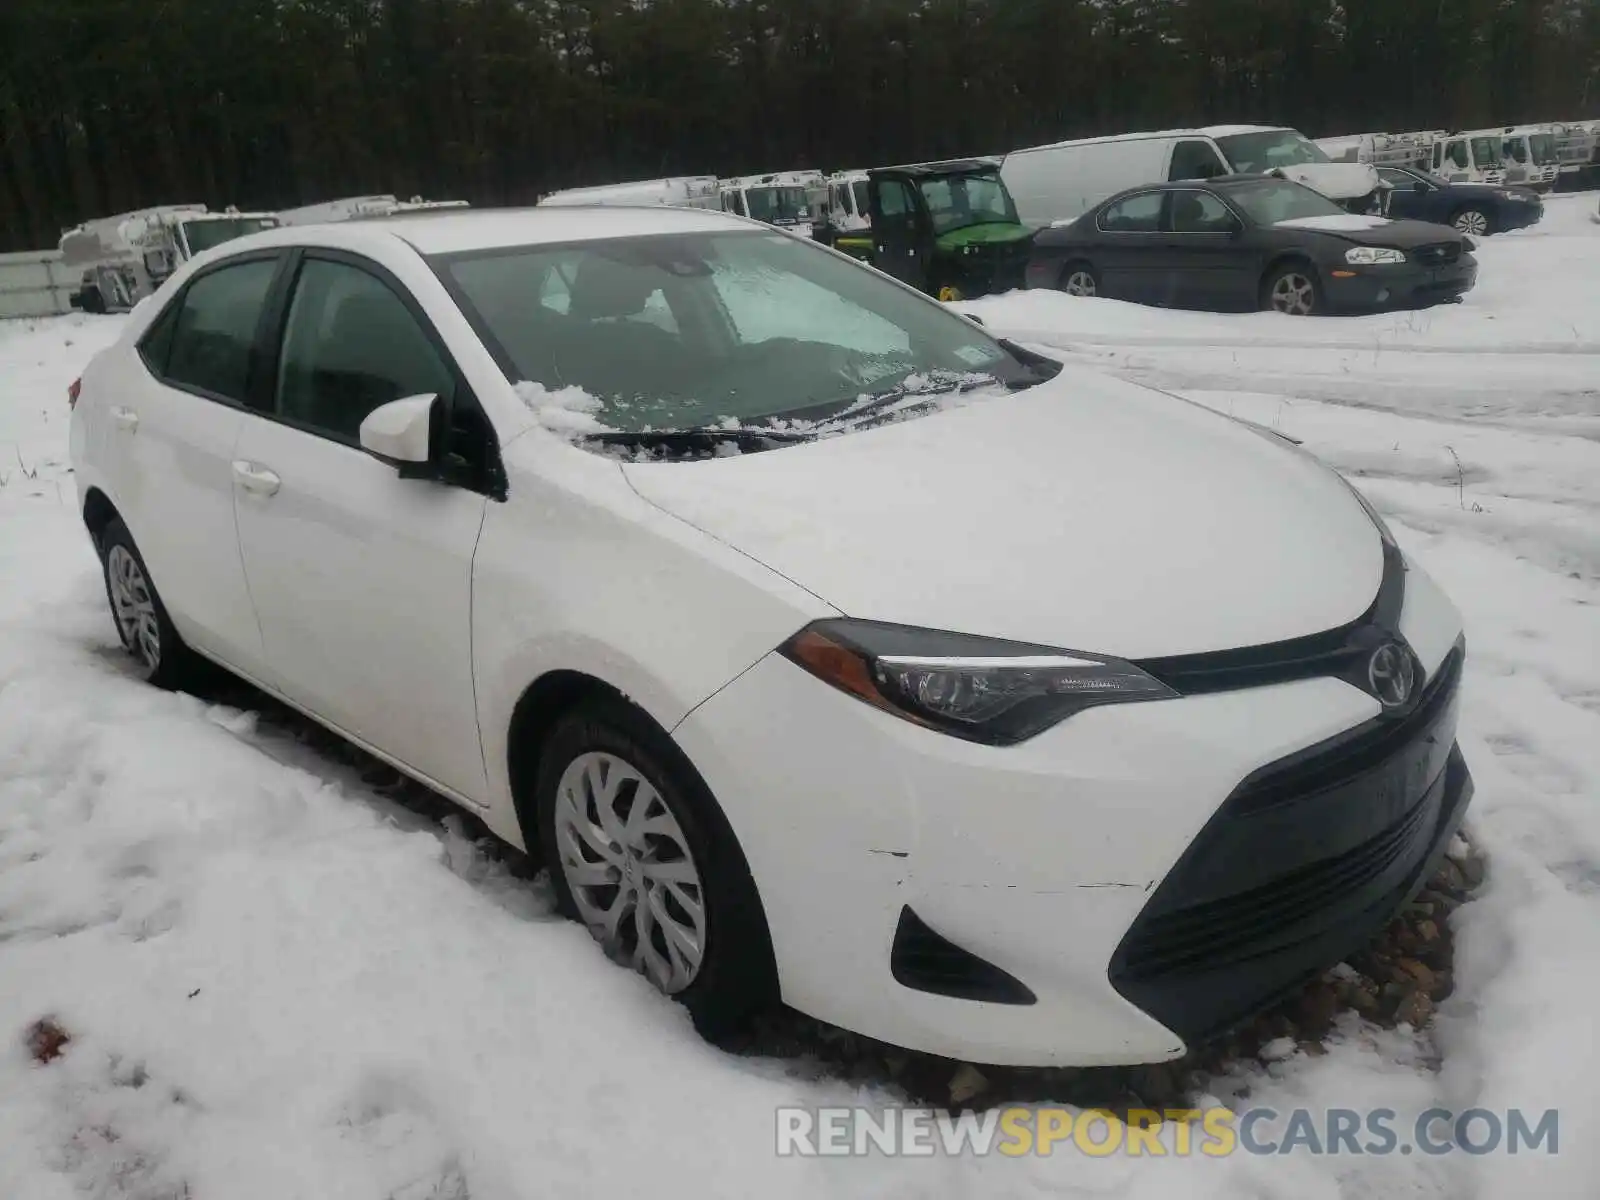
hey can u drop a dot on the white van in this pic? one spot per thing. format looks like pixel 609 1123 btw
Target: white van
pixel 1062 181
pixel 684 191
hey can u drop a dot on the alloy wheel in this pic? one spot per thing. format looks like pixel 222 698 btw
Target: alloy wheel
pixel 1472 223
pixel 629 867
pixel 1294 293
pixel 1082 283
pixel 134 607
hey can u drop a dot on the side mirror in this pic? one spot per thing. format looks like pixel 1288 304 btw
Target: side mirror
pixel 973 317
pixel 1419 188
pixel 400 432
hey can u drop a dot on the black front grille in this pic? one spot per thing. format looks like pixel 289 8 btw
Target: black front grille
pixel 1299 867
pixel 1437 254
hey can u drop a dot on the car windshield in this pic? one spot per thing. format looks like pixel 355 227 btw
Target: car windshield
pixel 1269 201
pixel 973 198
pixel 1515 149
pixel 776 203
pixel 1486 152
pixel 1543 146
pixel 204 235
pixel 716 330
pixel 1251 153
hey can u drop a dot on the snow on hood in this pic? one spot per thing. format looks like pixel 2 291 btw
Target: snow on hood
pixel 1084 513
pixel 1337 181
pixel 1334 222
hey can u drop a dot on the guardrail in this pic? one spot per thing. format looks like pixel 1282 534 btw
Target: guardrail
pixel 33 283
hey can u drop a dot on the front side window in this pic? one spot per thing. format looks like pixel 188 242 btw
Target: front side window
pixel 1135 214
pixel 1485 152
pixel 1201 212
pixel 1195 160
pixel 215 329
pixel 349 346
pixel 1514 149
pixel 959 201
pixel 1457 154
pixel 689 331
pixel 1254 153
pixel 1269 201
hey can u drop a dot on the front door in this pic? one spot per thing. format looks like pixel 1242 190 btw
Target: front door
pixel 900 245
pixel 180 424
pixel 363 580
pixel 1206 265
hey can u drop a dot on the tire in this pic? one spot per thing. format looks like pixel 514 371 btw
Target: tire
pixel 141 619
pixel 94 300
pixel 1472 222
pixel 949 293
pixel 601 762
pixel 1293 288
pixel 1080 279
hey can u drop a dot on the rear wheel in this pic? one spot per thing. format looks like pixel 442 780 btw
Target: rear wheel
pixel 1080 279
pixel 950 292
pixel 1473 222
pixel 641 854
pixel 142 622
pixel 1293 289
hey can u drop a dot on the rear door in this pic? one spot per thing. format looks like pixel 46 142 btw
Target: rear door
pixel 1131 249
pixel 363 580
pixel 1207 266
pixel 177 427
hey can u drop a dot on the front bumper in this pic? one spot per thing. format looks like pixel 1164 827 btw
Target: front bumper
pixel 1400 284
pixel 1078 864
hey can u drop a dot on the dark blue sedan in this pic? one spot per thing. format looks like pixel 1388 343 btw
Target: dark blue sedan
pixel 1475 209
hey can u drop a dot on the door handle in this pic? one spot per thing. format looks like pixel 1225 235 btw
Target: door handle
pixel 125 418
pixel 255 478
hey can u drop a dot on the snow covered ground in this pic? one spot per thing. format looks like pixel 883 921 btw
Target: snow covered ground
pixel 278 984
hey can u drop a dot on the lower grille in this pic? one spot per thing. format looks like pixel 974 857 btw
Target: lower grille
pixel 1301 865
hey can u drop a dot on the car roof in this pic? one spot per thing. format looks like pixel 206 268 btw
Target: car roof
pixel 452 231
pixel 946 167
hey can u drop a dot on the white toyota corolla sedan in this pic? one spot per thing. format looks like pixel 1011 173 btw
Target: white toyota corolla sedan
pixel 827 648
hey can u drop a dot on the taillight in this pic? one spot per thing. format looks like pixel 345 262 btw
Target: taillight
pixel 73 389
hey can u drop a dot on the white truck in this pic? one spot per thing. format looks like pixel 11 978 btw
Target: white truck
pixel 123 259
pixel 1476 157
pixel 1413 150
pixel 848 210
pixel 357 208
pixel 1529 154
pixel 1061 181
pixel 1577 154
pixel 680 191
pixel 781 198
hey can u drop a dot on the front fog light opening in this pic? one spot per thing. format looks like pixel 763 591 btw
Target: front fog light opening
pixel 981 689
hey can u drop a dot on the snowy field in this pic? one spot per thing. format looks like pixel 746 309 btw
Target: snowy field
pixel 280 985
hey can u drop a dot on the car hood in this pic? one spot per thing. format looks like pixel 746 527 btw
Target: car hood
pixel 1374 231
pixel 1337 181
pixel 988 234
pixel 1084 513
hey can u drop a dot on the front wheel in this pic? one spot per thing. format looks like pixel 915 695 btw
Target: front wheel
pixel 1473 222
pixel 1293 290
pixel 1080 279
pixel 641 854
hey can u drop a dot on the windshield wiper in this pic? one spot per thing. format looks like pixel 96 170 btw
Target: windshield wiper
pixel 700 439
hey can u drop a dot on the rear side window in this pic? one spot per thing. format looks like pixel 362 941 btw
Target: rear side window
pixel 215 329
pixel 1195 160
pixel 351 345
pixel 1200 212
pixel 156 344
pixel 1135 214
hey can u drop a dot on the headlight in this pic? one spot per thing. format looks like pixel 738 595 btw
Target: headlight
pixel 981 689
pixel 1370 256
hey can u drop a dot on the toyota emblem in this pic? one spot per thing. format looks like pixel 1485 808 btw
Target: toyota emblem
pixel 1391 674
